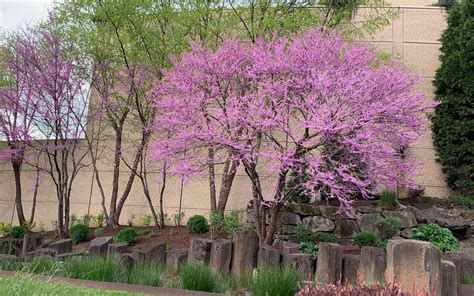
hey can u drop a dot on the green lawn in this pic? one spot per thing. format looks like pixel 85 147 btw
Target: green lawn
pixel 22 285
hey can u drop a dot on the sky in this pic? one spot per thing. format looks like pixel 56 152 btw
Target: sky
pixel 17 13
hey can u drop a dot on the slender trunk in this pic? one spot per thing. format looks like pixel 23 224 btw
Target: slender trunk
pixel 275 210
pixel 60 217
pixel 16 164
pixel 150 203
pixel 162 192
pixel 212 180
pixel 35 195
pixel 226 186
pixel 115 181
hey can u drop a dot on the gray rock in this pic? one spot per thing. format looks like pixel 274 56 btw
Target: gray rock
pixel 116 248
pixel 175 258
pixel 127 260
pixel 156 254
pixel 417 213
pixel 332 213
pixel 449 278
pixel 12 246
pixel 350 265
pixel 268 256
pixel 199 250
pixel 286 229
pixel 415 264
pixel 244 252
pixel 346 229
pixel 221 255
pixel 31 241
pixel 62 246
pixel 290 248
pixel 301 262
pixel 289 218
pixel 464 262
pixel 99 246
pixel 373 262
pixel 329 263
pixel 367 210
pixel 67 256
pixel 318 223
pixel 46 252
pixel 407 233
pixel 407 216
pixel 367 222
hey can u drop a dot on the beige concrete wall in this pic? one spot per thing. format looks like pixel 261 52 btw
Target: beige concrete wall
pixel 413 38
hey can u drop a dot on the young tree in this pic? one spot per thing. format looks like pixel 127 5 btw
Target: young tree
pixel 453 123
pixel 284 103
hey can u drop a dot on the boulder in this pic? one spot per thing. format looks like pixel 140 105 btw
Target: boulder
pixel 199 250
pixel 46 252
pixel 268 256
pixel 301 262
pixel 117 248
pixel 407 233
pixel 289 218
pixel 289 248
pixel 417 213
pixel 303 209
pixel 464 262
pixel 350 265
pixel 407 216
pixel 155 254
pixel 346 229
pixel 414 264
pixel 367 222
pixel 12 246
pixel 100 245
pixel 449 278
pixel 286 229
pixel 221 255
pixel 329 263
pixel 62 246
pixel 244 252
pixel 332 213
pixel 367 209
pixel 373 262
pixel 175 258
pixel 318 223
pixel 31 241
pixel 67 256
pixel 126 260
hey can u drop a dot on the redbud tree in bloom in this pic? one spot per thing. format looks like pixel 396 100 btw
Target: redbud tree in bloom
pixel 314 101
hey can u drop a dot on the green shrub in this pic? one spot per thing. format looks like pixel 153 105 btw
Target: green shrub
pixel 99 219
pixel 146 220
pixel 79 233
pixel 233 221
pixel 199 277
pixel 197 224
pixel 302 233
pixel 390 226
pixel 467 279
pixel 388 199
pixel 365 239
pixel 17 231
pixel 272 281
pixel 323 237
pixel 98 232
pixel 439 236
pixel 453 123
pixel 126 235
pixel 5 229
pixel 310 248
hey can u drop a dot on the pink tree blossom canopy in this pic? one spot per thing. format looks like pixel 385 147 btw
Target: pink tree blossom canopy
pixel 314 100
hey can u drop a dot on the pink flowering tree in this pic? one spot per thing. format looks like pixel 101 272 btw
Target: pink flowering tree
pixel 314 101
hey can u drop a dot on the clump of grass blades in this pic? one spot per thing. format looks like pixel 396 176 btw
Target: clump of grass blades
pixel 10 265
pixel 148 274
pixel 272 281
pixel 44 265
pixel 104 269
pixel 199 277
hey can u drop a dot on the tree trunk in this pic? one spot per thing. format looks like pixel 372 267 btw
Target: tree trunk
pixel 226 186
pixel 18 202
pixel 35 196
pixel 116 175
pixel 162 192
pixel 212 180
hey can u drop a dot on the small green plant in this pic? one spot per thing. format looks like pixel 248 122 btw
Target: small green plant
pixel 215 219
pixel 99 220
pixel 98 232
pixel 366 239
pixel 29 225
pixel 467 279
pixel 199 277
pixel 178 218
pixel 17 231
pixel 303 233
pixel 197 224
pixel 5 229
pixel 233 221
pixel 273 281
pixel 147 233
pixel 310 248
pixel 388 199
pixel 146 220
pixel 439 236
pixel 79 233
pixel 130 219
pixel 323 237
pixel 73 220
pixel 466 202
pixel 86 219
pixel 389 226
pixel 126 235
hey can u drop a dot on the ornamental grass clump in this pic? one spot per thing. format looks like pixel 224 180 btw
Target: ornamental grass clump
pixel 272 281
pixel 199 277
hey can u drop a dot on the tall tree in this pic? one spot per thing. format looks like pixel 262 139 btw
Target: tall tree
pixel 278 104
pixel 453 121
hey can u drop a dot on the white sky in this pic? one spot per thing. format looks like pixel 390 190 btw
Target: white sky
pixel 17 13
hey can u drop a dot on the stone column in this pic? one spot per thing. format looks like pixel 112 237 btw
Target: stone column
pixel 221 255
pixel 373 262
pixel 268 256
pixel 329 263
pixel 244 253
pixel 199 250
pixel 449 281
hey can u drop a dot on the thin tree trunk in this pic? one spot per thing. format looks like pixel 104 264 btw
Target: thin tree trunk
pixel 18 199
pixel 116 175
pixel 212 180
pixel 275 210
pixel 35 196
pixel 226 186
pixel 162 192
